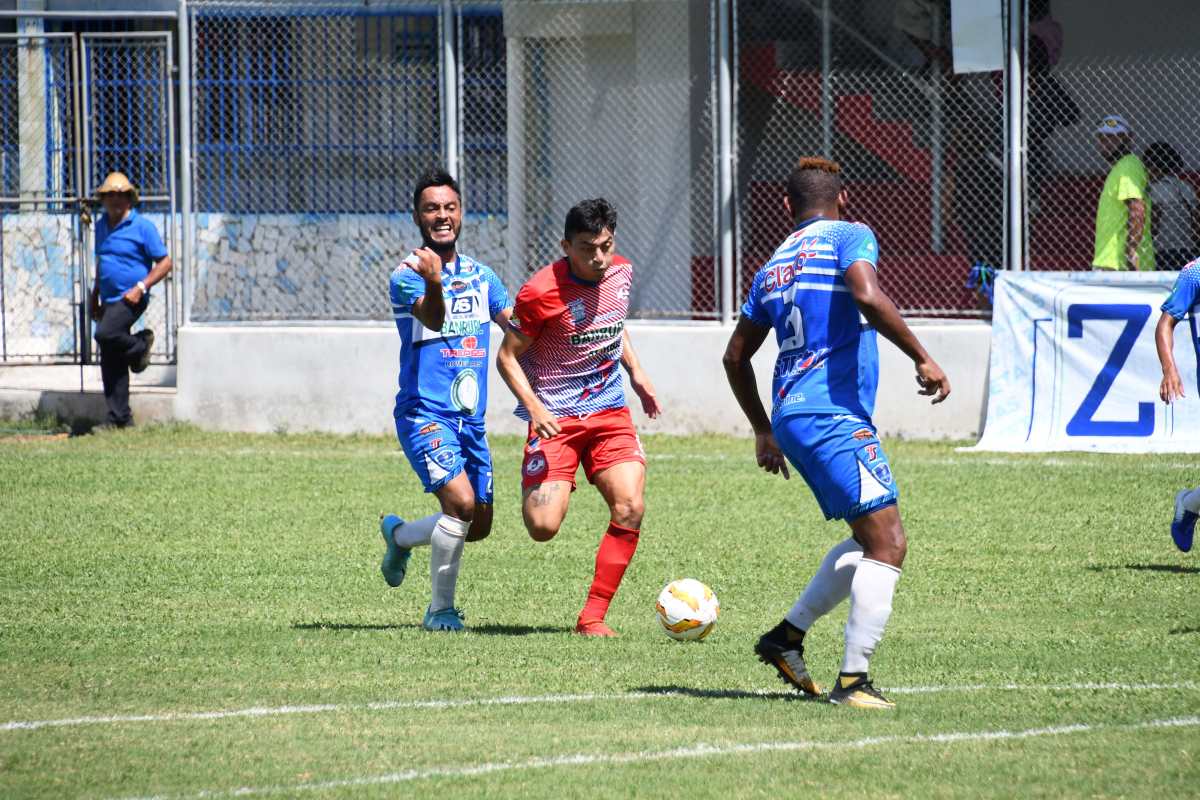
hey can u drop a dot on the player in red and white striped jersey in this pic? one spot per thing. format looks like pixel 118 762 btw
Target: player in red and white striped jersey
pixel 560 356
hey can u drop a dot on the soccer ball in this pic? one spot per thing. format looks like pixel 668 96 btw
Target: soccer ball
pixel 687 610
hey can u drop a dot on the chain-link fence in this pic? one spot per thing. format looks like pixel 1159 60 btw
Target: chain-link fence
pixel 312 123
pixel 39 229
pixel 922 148
pixel 311 119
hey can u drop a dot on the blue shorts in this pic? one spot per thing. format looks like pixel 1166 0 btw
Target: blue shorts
pixel 842 460
pixel 439 447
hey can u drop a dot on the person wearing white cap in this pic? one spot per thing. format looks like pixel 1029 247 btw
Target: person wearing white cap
pixel 1123 213
pixel 130 258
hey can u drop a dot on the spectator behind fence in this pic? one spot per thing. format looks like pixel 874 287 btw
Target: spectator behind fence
pixel 1176 221
pixel 130 258
pixel 1123 212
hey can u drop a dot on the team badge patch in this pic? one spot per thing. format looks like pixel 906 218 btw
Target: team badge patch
pixel 578 312
pixel 536 465
pixel 444 458
pixel 883 473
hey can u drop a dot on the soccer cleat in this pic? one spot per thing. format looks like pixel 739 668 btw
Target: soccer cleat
pixel 444 619
pixel 594 628
pixel 858 692
pixel 1183 525
pixel 395 558
pixel 787 658
pixel 144 359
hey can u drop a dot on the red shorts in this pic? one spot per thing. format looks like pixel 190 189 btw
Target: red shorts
pixel 599 440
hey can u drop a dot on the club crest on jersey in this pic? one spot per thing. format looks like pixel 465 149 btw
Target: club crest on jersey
pixel 883 472
pixel 536 465
pixel 444 457
pixel 578 312
pixel 623 293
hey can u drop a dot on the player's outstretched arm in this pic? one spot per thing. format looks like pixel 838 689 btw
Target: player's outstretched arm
pixel 638 378
pixel 747 338
pixel 1164 339
pixel 430 308
pixel 881 313
pixel 507 364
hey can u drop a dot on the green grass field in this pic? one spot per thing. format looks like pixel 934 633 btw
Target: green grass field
pixel 1045 640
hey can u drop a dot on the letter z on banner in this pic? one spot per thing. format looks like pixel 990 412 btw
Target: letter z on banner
pixel 1074 365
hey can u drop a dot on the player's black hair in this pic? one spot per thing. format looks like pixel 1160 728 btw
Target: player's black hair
pixel 434 176
pixel 814 182
pixel 590 216
pixel 1164 158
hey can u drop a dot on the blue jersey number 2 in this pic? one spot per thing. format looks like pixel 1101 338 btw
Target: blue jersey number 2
pixel 1135 316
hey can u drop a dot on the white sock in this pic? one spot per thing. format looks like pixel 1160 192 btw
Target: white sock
pixel 445 551
pixel 1191 501
pixel 870 606
pixel 417 532
pixel 830 586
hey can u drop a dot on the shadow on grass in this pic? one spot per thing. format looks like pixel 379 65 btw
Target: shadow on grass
pixel 485 630
pixel 725 694
pixel 1181 631
pixel 1174 569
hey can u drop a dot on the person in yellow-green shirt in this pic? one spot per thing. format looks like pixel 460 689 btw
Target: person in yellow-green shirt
pixel 1123 214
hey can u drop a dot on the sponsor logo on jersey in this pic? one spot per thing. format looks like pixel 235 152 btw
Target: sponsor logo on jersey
pixel 428 428
pixel 461 306
pixel 461 327
pixel 883 472
pixel 469 348
pixel 872 452
pixel 789 365
pixel 597 334
pixel 536 465
pixel 608 316
pixel 623 293
pixel 577 310
pixel 435 442
pixel 457 285
pixel 864 433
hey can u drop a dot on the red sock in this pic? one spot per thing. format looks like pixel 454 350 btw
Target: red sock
pixel 616 550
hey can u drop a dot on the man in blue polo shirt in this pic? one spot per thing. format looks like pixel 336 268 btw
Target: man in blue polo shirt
pixel 130 258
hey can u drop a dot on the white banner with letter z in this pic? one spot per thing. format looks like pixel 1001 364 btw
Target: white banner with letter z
pixel 1074 365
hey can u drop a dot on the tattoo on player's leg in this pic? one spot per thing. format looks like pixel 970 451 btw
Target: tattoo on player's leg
pixel 542 497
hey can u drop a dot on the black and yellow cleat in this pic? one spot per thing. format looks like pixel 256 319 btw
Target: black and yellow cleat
pixel 786 655
pixel 856 690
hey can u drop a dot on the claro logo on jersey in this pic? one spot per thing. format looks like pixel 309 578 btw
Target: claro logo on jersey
pixel 598 334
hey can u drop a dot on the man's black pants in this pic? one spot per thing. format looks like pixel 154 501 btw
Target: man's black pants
pixel 118 349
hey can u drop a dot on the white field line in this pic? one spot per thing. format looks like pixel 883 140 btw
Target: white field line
pixel 519 700
pixel 692 752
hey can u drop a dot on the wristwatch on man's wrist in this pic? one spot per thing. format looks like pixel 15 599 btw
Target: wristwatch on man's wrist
pixel 141 285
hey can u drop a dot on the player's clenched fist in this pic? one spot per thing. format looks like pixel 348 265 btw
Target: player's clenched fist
pixel 429 265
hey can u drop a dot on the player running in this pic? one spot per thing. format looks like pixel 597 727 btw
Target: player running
pixel 1183 300
pixel 559 356
pixel 811 292
pixel 442 301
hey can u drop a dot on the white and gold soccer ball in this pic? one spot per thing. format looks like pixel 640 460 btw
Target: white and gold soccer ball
pixel 687 610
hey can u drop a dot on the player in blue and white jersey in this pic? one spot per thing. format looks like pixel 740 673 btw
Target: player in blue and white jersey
pixel 815 292
pixel 1184 301
pixel 444 303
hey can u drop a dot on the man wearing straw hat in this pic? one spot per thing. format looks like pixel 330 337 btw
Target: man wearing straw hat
pixel 130 258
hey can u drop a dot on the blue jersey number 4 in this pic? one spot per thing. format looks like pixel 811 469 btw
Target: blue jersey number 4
pixel 1135 316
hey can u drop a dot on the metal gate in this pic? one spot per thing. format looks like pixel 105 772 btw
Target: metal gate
pixel 74 107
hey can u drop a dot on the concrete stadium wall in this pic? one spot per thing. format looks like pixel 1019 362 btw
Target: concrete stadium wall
pixel 343 379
